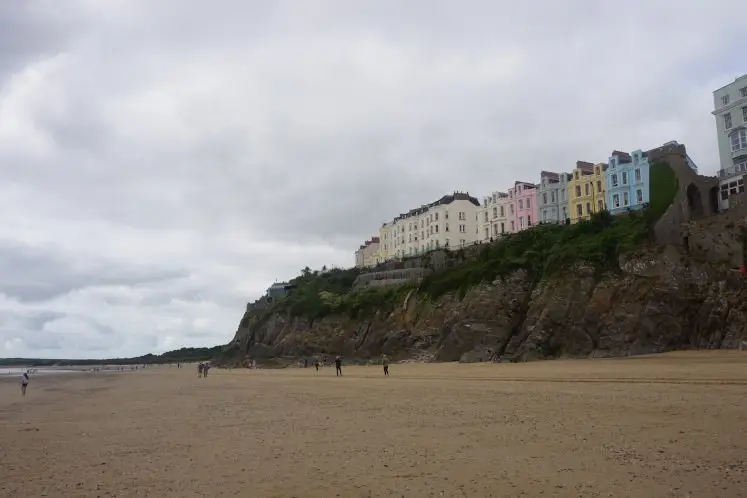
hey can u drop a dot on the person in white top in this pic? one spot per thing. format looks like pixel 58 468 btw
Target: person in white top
pixel 24 383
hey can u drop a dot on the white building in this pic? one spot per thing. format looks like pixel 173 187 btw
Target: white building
pixel 368 254
pixel 730 109
pixel 448 223
pixel 493 217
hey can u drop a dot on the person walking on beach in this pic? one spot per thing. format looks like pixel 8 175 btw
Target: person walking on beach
pixel 24 383
pixel 385 363
pixel 316 365
pixel 338 366
pixel 200 367
pixel 205 369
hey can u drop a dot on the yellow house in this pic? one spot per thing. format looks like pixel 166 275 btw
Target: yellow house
pixel 386 243
pixel 587 190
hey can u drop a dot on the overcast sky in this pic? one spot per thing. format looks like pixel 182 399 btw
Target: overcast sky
pixel 163 161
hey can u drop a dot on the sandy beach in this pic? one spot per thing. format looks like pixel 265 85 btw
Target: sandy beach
pixel 663 426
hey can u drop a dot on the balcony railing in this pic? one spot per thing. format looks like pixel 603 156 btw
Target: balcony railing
pixel 733 170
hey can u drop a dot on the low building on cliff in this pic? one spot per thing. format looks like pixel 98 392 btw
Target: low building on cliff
pixel 493 218
pixel 627 181
pixel 368 254
pixel 552 197
pixel 449 223
pixel 523 211
pixel 586 190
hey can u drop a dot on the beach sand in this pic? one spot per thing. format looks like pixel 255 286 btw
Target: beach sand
pixel 663 426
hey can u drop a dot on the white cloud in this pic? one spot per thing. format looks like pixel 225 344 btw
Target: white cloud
pixel 161 163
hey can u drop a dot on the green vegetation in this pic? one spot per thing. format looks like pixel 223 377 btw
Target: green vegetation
pixel 544 251
pixel 320 294
pixel 663 187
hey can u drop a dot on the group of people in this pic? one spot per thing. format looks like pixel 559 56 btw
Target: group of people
pixel 338 364
pixel 202 369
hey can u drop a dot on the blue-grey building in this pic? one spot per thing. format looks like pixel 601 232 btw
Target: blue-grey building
pixel 627 181
pixel 552 197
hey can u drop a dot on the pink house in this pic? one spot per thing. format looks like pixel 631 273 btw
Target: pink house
pixel 523 211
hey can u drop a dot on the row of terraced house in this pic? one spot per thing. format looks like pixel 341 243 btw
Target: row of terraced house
pixel 619 185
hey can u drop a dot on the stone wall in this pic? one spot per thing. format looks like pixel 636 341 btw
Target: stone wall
pixel 697 196
pixel 391 277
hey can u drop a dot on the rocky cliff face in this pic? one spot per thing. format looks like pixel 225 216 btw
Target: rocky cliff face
pixel 660 300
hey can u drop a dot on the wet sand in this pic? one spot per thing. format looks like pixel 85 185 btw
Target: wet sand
pixel 663 426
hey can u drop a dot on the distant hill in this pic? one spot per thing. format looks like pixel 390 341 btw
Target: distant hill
pixel 183 355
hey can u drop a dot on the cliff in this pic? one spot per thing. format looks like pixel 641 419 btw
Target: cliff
pixel 629 300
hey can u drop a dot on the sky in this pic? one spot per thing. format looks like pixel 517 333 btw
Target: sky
pixel 163 162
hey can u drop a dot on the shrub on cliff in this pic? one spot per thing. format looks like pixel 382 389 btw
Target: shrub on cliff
pixel 544 251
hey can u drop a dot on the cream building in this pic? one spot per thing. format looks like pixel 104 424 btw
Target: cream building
pixel 493 219
pixel 386 242
pixel 448 223
pixel 367 255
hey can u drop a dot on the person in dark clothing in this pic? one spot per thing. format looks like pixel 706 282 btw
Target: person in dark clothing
pixel 316 365
pixel 385 363
pixel 338 366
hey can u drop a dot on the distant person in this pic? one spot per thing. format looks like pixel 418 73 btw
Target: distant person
pixel 205 369
pixel 200 368
pixel 385 363
pixel 338 366
pixel 24 383
pixel 316 365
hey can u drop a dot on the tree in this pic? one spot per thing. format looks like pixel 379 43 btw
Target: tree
pixel 306 271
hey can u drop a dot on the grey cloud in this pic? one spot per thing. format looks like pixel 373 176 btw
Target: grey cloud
pixel 34 274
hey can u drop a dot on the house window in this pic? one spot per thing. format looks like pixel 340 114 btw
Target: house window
pixel 744 114
pixel 495 212
pixel 724 192
pixel 446 215
pixel 727 120
pixel 614 179
pixel 626 199
pixel 512 209
pixel 521 204
pixel 529 220
pixel 552 197
pixel 486 233
pixel 521 222
pixel 725 100
pixel 600 205
pixel 495 229
pixel 625 177
pixel 513 226
pixel 579 210
pixel 586 188
pixel 739 140
pixel 599 185
pixel 544 215
pixel 616 200
pixel 743 91
pixel 639 196
pixel 436 228
pixel 529 203
pixel 565 213
pixel 576 175
pixel 578 190
pixel 562 195
pixel 446 243
pixel 588 208
pixel 544 198
pixel 502 212
pixel 446 227
pixel 638 175
pixel 486 216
